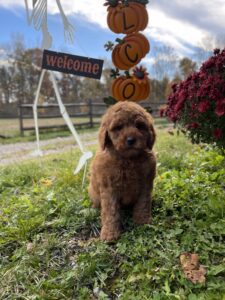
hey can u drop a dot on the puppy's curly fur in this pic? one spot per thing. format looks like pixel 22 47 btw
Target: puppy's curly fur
pixel 124 167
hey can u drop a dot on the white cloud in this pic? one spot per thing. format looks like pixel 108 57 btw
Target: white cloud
pixel 186 24
pixel 11 3
pixel 174 33
pixel 93 10
pixel 204 14
pixel 3 54
pixel 179 24
pixel 2 51
pixel 148 61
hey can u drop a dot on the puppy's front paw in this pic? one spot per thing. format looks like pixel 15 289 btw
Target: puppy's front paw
pixel 109 234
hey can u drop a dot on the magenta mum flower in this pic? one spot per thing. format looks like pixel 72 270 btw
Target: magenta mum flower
pixel 220 108
pixel 203 106
pixel 197 104
pixel 217 133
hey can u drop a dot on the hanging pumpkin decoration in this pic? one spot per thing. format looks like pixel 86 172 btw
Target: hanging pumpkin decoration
pixel 130 50
pixel 132 88
pixel 126 16
pixel 125 88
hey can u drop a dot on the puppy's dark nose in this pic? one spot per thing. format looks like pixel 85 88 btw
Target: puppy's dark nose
pixel 130 140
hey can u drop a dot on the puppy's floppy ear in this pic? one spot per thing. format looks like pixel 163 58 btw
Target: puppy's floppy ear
pixel 151 132
pixel 103 137
pixel 151 137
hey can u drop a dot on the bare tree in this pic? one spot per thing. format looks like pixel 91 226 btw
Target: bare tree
pixel 187 66
pixel 166 62
pixel 6 84
pixel 158 90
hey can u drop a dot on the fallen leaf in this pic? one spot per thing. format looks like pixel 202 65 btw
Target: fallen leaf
pixel 189 261
pixel 191 267
pixel 196 276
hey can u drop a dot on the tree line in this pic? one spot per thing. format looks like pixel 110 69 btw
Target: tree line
pixel 19 78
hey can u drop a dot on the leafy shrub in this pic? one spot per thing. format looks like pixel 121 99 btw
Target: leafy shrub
pixel 197 105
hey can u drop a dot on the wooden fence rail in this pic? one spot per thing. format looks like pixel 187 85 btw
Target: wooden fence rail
pixel 88 111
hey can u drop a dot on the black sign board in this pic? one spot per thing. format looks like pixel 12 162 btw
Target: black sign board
pixel 72 64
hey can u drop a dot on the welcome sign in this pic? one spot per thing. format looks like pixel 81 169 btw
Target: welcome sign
pixel 72 64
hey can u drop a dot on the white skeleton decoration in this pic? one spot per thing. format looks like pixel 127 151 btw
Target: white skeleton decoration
pixel 39 19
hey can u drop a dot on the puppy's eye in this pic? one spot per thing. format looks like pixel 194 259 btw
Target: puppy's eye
pixel 141 126
pixel 117 128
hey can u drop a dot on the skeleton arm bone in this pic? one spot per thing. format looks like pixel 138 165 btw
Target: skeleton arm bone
pixel 68 28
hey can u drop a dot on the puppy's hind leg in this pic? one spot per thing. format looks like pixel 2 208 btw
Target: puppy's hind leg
pixel 142 210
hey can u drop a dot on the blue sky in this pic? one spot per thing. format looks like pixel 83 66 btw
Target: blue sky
pixel 89 39
pixel 183 25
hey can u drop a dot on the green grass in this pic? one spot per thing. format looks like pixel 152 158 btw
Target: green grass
pixel 49 245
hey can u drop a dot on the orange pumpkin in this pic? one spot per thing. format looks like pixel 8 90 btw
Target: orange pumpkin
pixel 124 88
pixel 130 51
pixel 145 91
pixel 141 77
pixel 140 39
pixel 126 18
pixel 129 90
pixel 115 84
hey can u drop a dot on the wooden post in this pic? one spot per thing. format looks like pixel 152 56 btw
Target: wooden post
pixel 90 112
pixel 20 113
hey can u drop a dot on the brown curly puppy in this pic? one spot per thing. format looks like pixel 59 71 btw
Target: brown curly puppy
pixel 124 168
